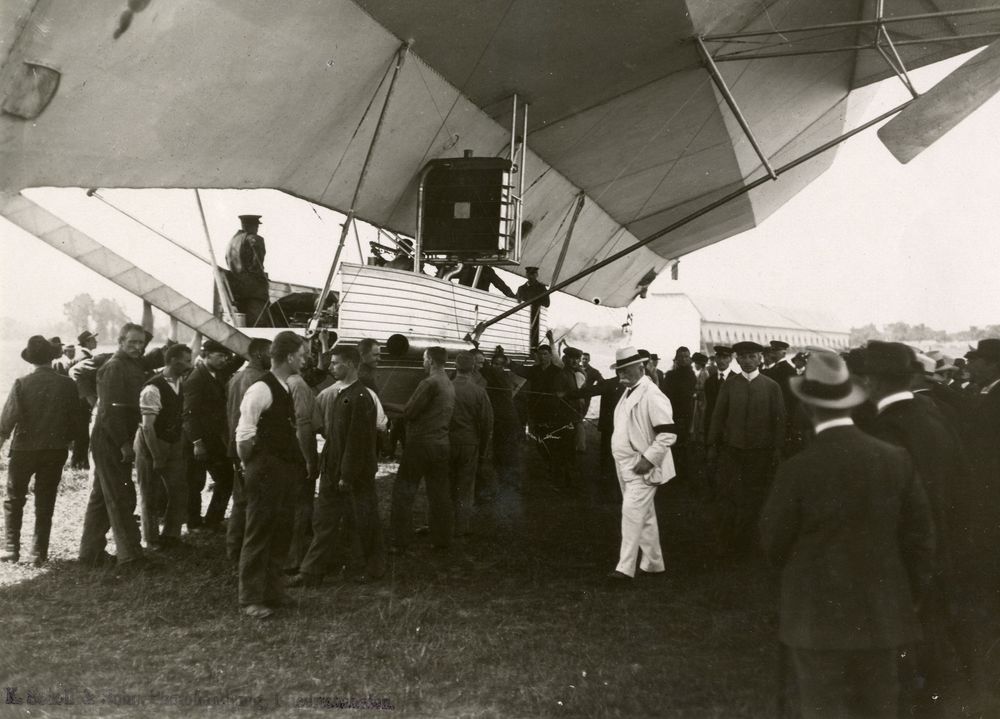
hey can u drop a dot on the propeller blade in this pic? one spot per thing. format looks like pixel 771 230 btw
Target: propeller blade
pixel 942 107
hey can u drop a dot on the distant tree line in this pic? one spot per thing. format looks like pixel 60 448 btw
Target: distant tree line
pixel 103 317
pixel 903 332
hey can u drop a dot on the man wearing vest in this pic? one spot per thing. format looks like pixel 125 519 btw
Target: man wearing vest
pixel 159 451
pixel 273 460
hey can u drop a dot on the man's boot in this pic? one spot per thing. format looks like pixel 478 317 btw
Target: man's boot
pixel 40 545
pixel 12 536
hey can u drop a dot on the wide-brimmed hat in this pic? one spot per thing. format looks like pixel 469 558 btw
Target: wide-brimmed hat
pixel 888 359
pixel 988 349
pixel 39 351
pixel 627 356
pixel 827 383
pixel 85 336
pixel 747 346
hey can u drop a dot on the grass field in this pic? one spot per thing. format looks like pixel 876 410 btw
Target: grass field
pixel 516 622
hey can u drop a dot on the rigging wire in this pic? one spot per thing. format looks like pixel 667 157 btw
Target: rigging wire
pixel 458 96
pixel 361 122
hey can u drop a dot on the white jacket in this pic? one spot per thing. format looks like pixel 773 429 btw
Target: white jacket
pixel 644 426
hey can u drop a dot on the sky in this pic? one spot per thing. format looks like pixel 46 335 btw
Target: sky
pixel 870 241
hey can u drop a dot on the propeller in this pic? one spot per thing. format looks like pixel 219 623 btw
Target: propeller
pixel 937 111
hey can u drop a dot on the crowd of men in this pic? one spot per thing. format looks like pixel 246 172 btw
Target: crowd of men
pixel 870 479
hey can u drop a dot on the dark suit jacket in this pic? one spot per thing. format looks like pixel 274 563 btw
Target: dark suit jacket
pixel 939 462
pixel 748 415
pixel 205 415
pixel 351 436
pixel 983 444
pixel 712 386
pixel 849 524
pixel 678 384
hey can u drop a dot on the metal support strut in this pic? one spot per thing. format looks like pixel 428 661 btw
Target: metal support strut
pixel 400 59
pixel 720 83
pixel 740 191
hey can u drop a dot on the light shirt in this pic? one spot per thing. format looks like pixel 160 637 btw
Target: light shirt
pixel 892 399
pixel 752 376
pixel 257 399
pixel 830 423
pixel 990 386
pixel 150 401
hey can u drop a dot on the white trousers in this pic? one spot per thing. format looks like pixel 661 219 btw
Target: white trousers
pixel 639 529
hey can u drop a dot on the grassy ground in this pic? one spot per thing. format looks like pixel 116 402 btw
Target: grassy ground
pixel 515 622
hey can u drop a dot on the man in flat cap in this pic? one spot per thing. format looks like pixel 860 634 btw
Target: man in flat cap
pixel 722 361
pixel 247 278
pixel 782 370
pixel 849 526
pixel 529 291
pixel 745 438
pixel 206 428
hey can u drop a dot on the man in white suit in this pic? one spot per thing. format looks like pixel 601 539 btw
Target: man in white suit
pixel 643 433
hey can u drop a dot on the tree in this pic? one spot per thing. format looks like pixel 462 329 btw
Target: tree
pixel 79 311
pixel 108 317
pixel 862 335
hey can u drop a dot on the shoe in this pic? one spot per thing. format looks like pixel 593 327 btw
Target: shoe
pixel 101 560
pixel 257 611
pixel 644 573
pixel 10 555
pixel 617 577
pixel 304 580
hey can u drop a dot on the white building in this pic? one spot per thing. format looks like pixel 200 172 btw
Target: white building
pixel 666 320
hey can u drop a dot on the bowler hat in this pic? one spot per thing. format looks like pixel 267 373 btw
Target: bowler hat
pixel 741 347
pixel 627 356
pixel 55 341
pixel 888 359
pixel 988 349
pixel 827 383
pixel 85 336
pixel 653 356
pixel 39 351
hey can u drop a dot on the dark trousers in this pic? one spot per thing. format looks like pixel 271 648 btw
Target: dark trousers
pixel 302 520
pixel 464 465
pixel 81 438
pixel 45 465
pixel 836 684
pixel 237 516
pixel 742 483
pixel 561 446
pixel 111 504
pixel 354 509
pixel 430 461
pixel 269 487
pixel 507 454
pixel 221 469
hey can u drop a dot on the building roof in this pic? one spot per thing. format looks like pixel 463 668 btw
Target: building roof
pixel 742 312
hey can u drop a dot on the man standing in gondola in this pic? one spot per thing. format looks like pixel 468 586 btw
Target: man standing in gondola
pixel 247 278
pixel 528 292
